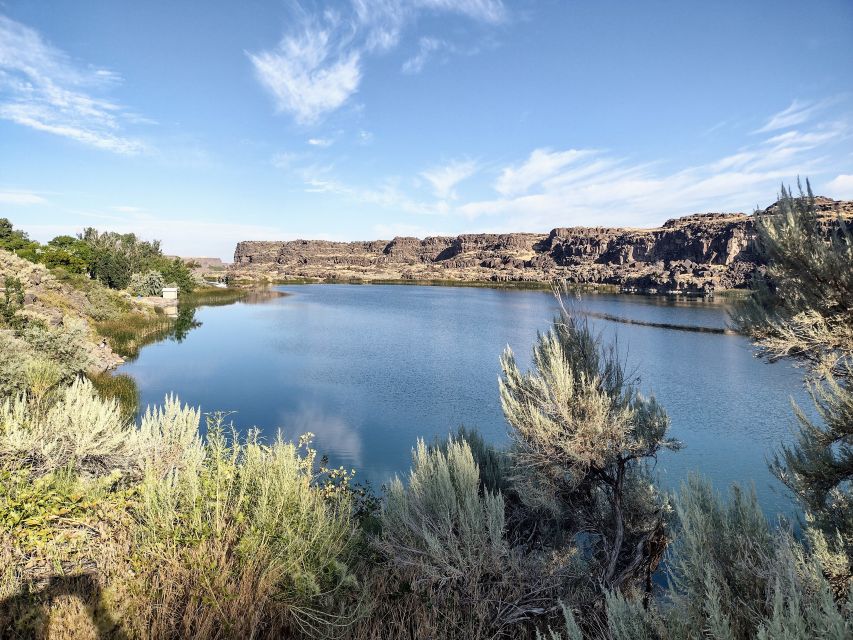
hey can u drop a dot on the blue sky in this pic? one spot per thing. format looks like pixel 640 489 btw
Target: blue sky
pixel 207 123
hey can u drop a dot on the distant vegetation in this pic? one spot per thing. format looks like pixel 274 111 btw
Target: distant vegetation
pixel 565 534
pixel 116 260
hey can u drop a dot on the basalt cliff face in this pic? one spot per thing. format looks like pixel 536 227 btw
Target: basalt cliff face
pixel 695 254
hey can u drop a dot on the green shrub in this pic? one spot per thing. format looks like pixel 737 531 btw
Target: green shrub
pixel 113 270
pixel 734 574
pixel 440 522
pixel 79 431
pixel 803 309
pixel 235 527
pixel 448 567
pixel 65 346
pixel 150 283
pixel 38 353
pixel 581 435
pixel 104 304
pixel 14 358
pixel 12 302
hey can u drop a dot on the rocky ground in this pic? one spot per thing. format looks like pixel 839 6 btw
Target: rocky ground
pixel 695 254
pixel 57 303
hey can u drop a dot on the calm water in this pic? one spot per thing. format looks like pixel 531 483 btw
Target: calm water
pixel 371 368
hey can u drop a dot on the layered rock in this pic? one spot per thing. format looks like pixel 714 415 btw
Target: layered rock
pixel 694 254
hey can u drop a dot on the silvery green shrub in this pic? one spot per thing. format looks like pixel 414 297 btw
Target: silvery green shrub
pixel 150 283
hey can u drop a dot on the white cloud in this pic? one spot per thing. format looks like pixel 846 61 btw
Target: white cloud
pixel 319 179
pixel 539 166
pixel 318 64
pixel 587 187
pixel 320 142
pixel 445 178
pixel 426 47
pixel 334 435
pixel 42 89
pixel 591 187
pixel 308 74
pixel 841 187
pixel 492 11
pixel 797 113
pixel 21 198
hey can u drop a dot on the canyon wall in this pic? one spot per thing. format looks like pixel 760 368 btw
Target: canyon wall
pixel 699 253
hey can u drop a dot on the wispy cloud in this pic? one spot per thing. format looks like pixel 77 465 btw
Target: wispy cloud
pixel 318 64
pixel 42 88
pixel 426 48
pixel 320 142
pixel 310 73
pixel 798 112
pixel 590 187
pixel 492 11
pixel 21 198
pixel 445 178
pixel 388 194
pixel 539 166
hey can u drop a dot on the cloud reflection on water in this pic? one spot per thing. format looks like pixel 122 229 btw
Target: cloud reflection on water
pixel 333 434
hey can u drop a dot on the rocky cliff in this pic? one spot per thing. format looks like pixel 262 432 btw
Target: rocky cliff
pixel 695 254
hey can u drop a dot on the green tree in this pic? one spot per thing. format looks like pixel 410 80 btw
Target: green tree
pixel 116 257
pixel 803 309
pixel 69 253
pixel 16 241
pixel 176 272
pixel 111 269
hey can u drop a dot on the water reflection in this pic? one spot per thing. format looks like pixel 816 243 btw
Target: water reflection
pixel 370 369
pixel 333 435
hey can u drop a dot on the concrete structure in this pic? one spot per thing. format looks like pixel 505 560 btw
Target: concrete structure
pixel 170 293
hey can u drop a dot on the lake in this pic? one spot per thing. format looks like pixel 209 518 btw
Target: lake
pixel 369 369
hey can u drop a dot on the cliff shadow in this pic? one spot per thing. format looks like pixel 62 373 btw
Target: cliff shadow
pixel 27 614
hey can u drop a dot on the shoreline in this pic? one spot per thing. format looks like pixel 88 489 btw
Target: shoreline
pixel 531 285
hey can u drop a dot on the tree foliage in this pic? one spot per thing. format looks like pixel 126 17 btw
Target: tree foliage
pixel 68 253
pixel 16 241
pixel 109 257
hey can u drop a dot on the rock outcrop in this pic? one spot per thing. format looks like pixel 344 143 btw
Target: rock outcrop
pixel 694 254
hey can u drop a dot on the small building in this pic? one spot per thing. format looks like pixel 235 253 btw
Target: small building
pixel 170 293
